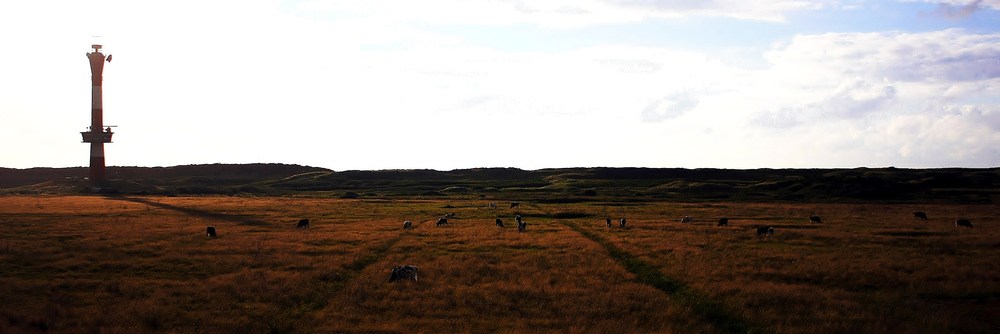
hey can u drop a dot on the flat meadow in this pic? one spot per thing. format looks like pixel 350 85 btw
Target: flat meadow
pixel 140 264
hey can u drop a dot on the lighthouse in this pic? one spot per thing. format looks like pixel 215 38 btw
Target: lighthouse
pixel 97 133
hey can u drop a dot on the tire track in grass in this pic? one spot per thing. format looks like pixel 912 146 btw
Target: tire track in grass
pixel 334 284
pixel 710 310
pixel 287 319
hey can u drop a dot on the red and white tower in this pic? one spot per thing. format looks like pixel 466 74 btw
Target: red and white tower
pixel 98 134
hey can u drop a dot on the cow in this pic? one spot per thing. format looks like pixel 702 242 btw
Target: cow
pixel 522 226
pixel 963 222
pixel 765 231
pixel 622 223
pixel 517 218
pixel 493 205
pixel 407 225
pixel 442 221
pixel 919 215
pixel 608 222
pixel 303 223
pixel 449 215
pixel 514 204
pixel 815 219
pixel 211 232
pixel 724 221
pixel 499 222
pixel 404 272
pixel 687 219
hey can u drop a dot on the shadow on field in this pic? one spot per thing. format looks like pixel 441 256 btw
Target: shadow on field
pixel 239 219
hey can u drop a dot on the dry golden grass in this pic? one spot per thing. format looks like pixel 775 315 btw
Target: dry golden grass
pixel 144 264
pixel 867 268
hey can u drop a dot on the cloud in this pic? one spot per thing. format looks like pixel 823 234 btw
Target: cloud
pixel 669 107
pixel 960 9
pixel 856 98
pixel 958 135
pixel 552 13
pixel 889 98
pixel 852 99
pixel 948 55
pixel 958 12
pixel 764 10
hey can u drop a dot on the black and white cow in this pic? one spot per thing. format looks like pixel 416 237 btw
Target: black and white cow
pixel 211 231
pixel 963 222
pixel 608 222
pixel 404 272
pixel 303 223
pixel 442 221
pixel 514 204
pixel 621 223
pixel 522 226
pixel 499 222
pixel 919 215
pixel 687 219
pixel 815 219
pixel 407 225
pixel 765 231
pixel 724 221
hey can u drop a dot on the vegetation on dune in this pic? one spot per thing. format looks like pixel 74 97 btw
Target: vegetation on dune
pixel 562 185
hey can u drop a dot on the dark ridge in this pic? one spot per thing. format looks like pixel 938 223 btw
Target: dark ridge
pixel 554 185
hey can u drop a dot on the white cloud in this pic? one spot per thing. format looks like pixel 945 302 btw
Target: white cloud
pixel 960 9
pixel 553 13
pixel 913 99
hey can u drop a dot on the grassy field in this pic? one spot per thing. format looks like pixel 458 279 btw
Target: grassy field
pixel 144 264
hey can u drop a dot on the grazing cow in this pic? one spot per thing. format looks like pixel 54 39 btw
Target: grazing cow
pixel 963 222
pixel 622 223
pixel 608 222
pixel 499 222
pixel 493 205
pixel 723 221
pixel 687 219
pixel 404 272
pixel 442 221
pixel 303 223
pixel 522 226
pixel 919 215
pixel 514 204
pixel 211 231
pixel 815 219
pixel 765 231
pixel 517 218
pixel 407 225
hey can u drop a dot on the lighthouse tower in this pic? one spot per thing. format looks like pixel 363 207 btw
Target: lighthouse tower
pixel 97 134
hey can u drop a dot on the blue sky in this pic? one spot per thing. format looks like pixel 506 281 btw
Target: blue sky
pixel 447 84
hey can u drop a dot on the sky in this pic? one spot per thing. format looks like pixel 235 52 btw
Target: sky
pixel 448 84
